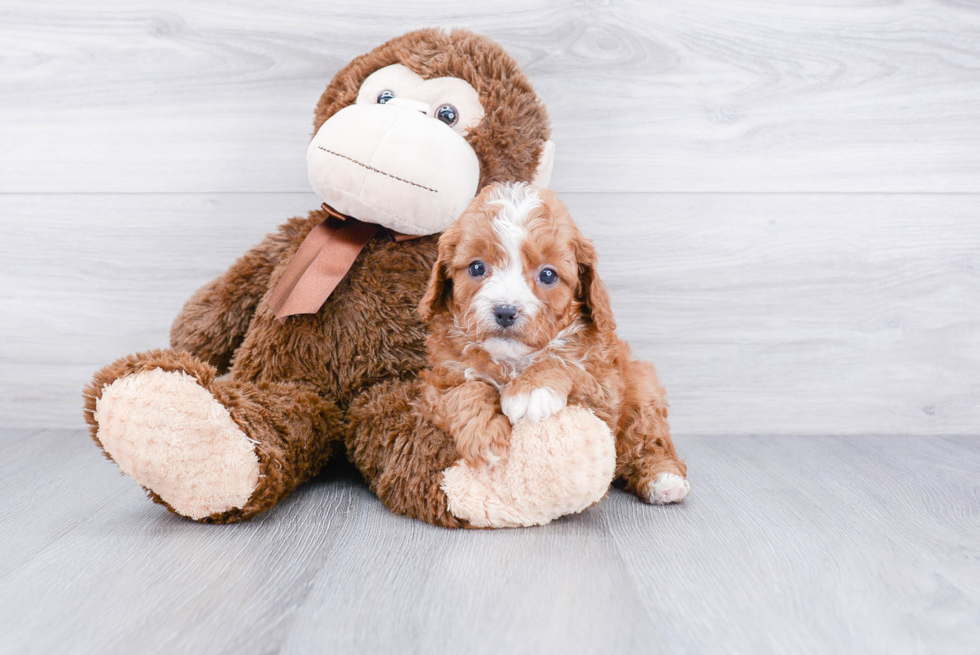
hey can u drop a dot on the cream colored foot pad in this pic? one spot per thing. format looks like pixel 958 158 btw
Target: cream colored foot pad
pixel 169 434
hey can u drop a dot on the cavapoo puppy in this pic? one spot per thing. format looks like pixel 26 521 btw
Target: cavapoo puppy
pixel 521 326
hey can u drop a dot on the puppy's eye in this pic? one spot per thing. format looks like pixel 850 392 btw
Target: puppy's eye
pixel 447 114
pixel 547 276
pixel 385 96
pixel 477 269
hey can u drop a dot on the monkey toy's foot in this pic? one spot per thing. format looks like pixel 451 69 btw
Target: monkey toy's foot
pixel 215 450
pixel 166 430
pixel 560 466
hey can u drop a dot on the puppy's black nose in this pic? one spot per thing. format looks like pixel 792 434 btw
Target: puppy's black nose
pixel 505 315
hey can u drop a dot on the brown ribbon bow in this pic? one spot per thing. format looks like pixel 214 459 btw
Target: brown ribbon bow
pixel 320 263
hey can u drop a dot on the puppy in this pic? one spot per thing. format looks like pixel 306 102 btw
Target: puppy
pixel 521 326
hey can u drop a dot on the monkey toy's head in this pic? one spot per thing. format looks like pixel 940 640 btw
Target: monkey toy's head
pixel 408 133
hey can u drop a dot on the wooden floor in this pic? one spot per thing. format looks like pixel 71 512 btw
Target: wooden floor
pixel 786 545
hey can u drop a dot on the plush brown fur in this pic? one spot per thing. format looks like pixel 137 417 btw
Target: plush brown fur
pixel 570 344
pixel 402 455
pixel 345 376
pixel 293 433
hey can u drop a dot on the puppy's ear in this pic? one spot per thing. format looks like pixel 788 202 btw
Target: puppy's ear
pixel 439 293
pixel 591 291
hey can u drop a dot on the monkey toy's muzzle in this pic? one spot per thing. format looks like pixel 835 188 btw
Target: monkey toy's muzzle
pixel 394 166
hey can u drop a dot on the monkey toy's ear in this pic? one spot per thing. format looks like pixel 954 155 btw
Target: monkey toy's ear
pixel 546 164
pixel 439 293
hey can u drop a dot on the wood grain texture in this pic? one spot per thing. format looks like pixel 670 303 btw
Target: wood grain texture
pixel 702 95
pixel 803 545
pixel 799 314
pixel 778 314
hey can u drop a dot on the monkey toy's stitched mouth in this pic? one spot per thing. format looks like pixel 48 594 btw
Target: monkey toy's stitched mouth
pixel 393 167
pixel 375 170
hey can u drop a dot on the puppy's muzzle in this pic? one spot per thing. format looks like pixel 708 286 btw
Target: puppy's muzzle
pixel 505 315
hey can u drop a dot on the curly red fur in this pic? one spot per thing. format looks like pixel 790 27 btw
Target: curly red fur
pixel 564 338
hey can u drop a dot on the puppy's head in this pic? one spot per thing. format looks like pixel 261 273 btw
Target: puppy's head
pixel 514 271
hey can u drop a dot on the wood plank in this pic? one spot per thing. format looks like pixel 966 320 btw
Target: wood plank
pixel 127 576
pixel 548 590
pixel 732 96
pixel 787 544
pixel 799 314
pixel 779 314
pixel 812 545
pixel 74 472
pixel 85 279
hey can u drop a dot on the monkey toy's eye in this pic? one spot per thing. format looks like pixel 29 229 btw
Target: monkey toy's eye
pixel 447 114
pixel 477 269
pixel 548 276
pixel 385 96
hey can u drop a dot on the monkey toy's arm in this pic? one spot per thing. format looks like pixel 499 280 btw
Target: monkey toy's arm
pixel 214 320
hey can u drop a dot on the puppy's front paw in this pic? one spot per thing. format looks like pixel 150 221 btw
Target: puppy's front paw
pixel 514 406
pixel 667 488
pixel 483 443
pixel 537 406
pixel 544 404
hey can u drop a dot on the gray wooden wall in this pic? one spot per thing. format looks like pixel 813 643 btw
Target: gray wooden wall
pixel 786 196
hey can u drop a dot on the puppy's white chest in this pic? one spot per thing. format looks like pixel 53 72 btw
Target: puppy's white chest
pixel 509 353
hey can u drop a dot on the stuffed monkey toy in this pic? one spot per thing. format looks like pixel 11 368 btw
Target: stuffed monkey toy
pixel 309 346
